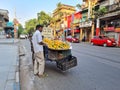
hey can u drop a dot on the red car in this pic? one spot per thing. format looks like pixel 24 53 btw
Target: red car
pixel 72 39
pixel 103 40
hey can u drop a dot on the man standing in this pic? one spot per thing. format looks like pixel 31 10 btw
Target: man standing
pixel 39 63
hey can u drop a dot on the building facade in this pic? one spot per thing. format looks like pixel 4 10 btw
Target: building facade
pixel 73 24
pixel 60 14
pixel 87 22
pixel 110 21
pixel 3 18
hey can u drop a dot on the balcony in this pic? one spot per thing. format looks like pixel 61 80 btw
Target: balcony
pixel 114 7
pixel 6 18
pixel 4 14
pixel 112 11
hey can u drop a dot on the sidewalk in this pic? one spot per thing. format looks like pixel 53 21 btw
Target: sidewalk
pixel 9 71
pixel 8 41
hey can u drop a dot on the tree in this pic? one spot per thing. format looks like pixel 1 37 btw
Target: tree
pixel 79 6
pixel 20 29
pixel 101 11
pixel 59 4
pixel 43 18
pixel 24 32
pixel 30 25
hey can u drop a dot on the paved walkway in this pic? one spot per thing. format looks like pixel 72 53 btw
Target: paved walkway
pixel 8 66
pixel 8 41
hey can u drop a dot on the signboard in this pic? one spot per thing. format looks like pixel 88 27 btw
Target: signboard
pixel 86 24
pixel 75 31
pixel 47 32
pixel 109 29
pixel 117 29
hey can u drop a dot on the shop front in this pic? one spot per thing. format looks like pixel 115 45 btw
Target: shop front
pixel 114 33
pixel 110 22
pixel 76 32
pixel 73 24
pixel 86 31
pixel 9 29
pixel 117 30
pixel 111 27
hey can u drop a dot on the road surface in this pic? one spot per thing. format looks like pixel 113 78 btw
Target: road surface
pixel 98 69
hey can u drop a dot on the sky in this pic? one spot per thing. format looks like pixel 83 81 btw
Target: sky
pixel 28 9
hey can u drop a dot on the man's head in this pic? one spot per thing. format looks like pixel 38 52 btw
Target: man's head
pixel 39 27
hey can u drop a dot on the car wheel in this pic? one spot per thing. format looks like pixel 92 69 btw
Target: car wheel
pixel 92 43
pixel 104 44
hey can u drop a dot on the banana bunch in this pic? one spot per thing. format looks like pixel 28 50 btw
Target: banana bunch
pixel 56 44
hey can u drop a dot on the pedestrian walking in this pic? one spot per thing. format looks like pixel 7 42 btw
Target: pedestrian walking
pixel 39 63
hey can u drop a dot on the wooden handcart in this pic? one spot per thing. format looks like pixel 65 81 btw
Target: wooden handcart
pixel 63 58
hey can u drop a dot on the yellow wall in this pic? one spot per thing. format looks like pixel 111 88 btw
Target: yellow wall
pixel 60 13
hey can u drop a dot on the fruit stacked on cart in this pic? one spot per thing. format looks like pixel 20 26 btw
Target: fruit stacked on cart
pixel 60 52
pixel 56 44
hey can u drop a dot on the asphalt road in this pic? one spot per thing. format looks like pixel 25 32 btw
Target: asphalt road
pixel 98 69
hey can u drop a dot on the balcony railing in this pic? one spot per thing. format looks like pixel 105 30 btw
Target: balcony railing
pixel 111 9
pixel 114 7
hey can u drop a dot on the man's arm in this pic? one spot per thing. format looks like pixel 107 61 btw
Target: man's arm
pixel 39 40
pixel 41 43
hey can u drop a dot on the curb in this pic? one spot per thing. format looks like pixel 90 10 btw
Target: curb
pixel 26 81
pixel 16 85
pixel 9 42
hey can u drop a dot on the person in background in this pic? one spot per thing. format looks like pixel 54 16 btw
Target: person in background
pixel 57 37
pixel 39 63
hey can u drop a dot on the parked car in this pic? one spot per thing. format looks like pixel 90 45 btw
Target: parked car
pixel 103 41
pixel 72 39
pixel 23 36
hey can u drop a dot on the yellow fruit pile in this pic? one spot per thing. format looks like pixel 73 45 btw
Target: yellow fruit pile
pixel 56 44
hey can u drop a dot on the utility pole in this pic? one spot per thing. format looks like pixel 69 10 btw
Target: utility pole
pixel 15 25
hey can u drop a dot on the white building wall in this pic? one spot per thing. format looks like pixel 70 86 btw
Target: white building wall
pixel 111 2
pixel 105 3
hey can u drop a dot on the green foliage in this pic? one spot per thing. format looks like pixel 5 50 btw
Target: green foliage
pixel 30 25
pixel 78 6
pixel 20 29
pixel 102 10
pixel 59 4
pixel 24 32
pixel 43 18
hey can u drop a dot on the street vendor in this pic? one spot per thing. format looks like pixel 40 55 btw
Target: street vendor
pixel 57 37
pixel 39 63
